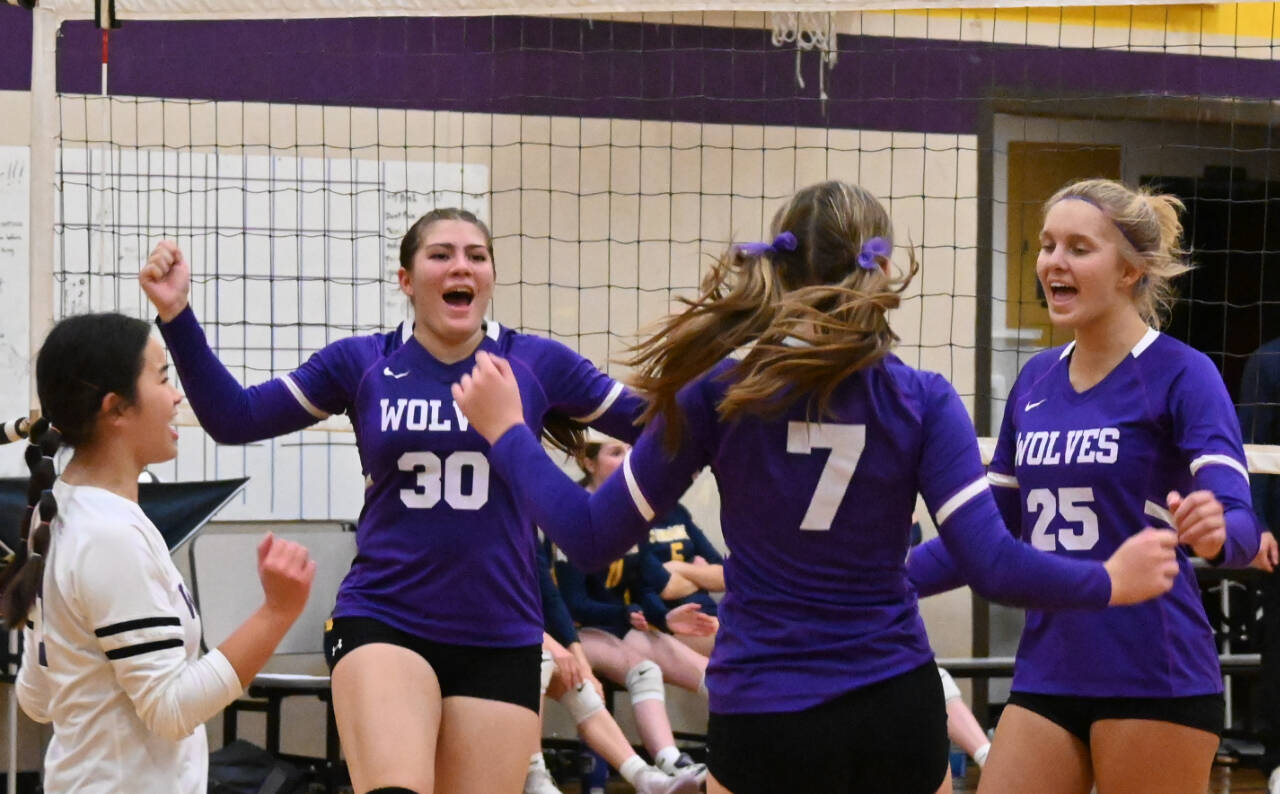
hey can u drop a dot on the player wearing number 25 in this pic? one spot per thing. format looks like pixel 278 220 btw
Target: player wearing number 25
pixel 1121 428
pixel 779 377
pixel 437 627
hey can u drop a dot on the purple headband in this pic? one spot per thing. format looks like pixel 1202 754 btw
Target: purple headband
pixel 1106 215
pixel 783 242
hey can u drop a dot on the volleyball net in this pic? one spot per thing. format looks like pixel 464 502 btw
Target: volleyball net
pixel 615 151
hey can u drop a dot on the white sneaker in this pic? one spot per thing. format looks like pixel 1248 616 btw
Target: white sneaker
pixel 539 781
pixel 1273 782
pixel 653 780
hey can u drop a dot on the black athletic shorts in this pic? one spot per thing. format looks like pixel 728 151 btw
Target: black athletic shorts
pixel 509 675
pixel 1077 714
pixel 886 738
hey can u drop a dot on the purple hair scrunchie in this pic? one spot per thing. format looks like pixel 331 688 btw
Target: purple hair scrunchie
pixel 783 242
pixel 871 250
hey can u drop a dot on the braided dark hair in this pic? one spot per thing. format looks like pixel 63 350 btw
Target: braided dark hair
pixel 20 579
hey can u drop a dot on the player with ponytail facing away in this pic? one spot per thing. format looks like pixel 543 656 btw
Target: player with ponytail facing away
pixel 780 377
pixel 435 641
pixel 1122 426
pixel 111 637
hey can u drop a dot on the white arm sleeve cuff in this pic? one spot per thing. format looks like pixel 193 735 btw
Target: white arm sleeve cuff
pixel 175 707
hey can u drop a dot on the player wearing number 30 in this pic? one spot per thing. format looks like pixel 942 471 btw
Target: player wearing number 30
pixel 822 678
pixel 438 624
pixel 1101 437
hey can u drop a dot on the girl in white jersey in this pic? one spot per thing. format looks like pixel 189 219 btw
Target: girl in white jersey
pixel 111 651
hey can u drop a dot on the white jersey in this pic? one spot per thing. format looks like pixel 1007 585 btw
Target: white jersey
pixel 112 656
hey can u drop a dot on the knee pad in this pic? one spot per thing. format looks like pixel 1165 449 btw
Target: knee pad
pixel 582 701
pixel 644 682
pixel 949 689
pixel 548 669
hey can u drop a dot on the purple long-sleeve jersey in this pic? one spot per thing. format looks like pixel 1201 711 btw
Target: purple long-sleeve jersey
pixel 443 550
pixel 1077 473
pixel 816 516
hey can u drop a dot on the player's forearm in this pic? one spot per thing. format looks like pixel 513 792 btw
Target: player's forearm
pixel 1243 531
pixel 592 529
pixel 174 696
pixel 230 413
pixel 1000 568
pixel 677 585
pixel 1243 537
pixel 253 643
pixel 703 577
pixel 932 570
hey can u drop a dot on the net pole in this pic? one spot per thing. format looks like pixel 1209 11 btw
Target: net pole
pixel 44 117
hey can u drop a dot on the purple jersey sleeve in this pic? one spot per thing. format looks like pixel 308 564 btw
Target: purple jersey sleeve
pixel 578 390
pixel 1000 474
pixel 932 570
pixel 997 566
pixel 230 413
pixel 594 528
pixel 1208 434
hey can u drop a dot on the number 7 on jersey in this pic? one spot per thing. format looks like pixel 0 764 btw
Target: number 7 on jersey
pixel 846 443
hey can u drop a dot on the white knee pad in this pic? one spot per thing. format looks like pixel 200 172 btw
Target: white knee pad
pixel 548 669
pixel 582 701
pixel 949 689
pixel 644 682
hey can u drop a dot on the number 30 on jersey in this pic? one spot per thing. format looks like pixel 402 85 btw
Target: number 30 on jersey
pixel 447 478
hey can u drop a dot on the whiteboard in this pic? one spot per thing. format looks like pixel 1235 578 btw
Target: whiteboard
pixel 14 336
pixel 288 253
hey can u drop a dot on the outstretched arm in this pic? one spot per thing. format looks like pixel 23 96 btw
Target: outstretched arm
pixel 997 566
pixel 591 528
pixel 230 413
pixel 143 641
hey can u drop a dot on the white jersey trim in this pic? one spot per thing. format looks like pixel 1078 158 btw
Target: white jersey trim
pixel 1145 342
pixel 1156 511
pixel 604 405
pixel 1220 460
pixel 642 504
pixel 960 498
pixel 1066 351
pixel 309 406
pixel 1002 480
pixel 492 329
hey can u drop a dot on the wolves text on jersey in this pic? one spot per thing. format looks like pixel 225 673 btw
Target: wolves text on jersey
pixel 419 414
pixel 1054 447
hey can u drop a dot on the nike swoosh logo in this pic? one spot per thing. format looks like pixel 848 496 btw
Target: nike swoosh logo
pixel 1029 406
pixel 397 375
